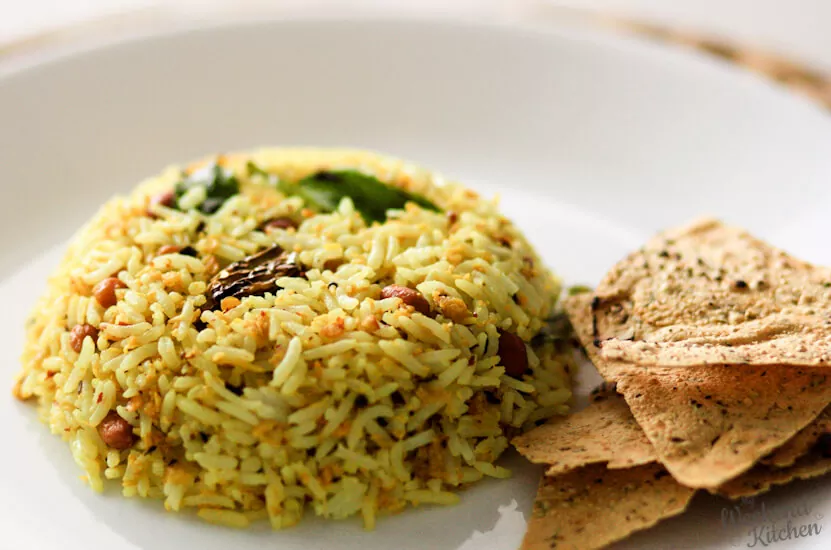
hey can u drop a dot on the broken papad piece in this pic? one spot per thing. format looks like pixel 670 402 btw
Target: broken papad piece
pixel 710 424
pixel 802 443
pixel 604 431
pixel 710 293
pixel 762 479
pixel 713 424
pixel 593 507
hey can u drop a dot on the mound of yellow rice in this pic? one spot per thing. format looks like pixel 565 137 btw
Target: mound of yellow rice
pixel 320 396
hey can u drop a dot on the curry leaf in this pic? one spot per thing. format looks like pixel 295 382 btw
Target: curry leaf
pixel 254 170
pixel 220 185
pixel 372 198
pixel 578 289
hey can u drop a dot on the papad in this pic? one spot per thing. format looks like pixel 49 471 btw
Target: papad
pixel 568 507
pixel 710 424
pixel 709 293
pixel 603 432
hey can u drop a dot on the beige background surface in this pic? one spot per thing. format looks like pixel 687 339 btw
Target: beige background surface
pixel 786 40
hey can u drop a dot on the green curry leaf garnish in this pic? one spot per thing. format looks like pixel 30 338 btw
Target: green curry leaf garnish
pixel 372 198
pixel 322 191
pixel 220 185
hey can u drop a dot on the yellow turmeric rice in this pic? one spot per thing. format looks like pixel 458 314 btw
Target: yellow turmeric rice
pixel 282 331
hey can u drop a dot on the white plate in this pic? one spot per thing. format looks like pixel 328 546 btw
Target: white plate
pixel 593 142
